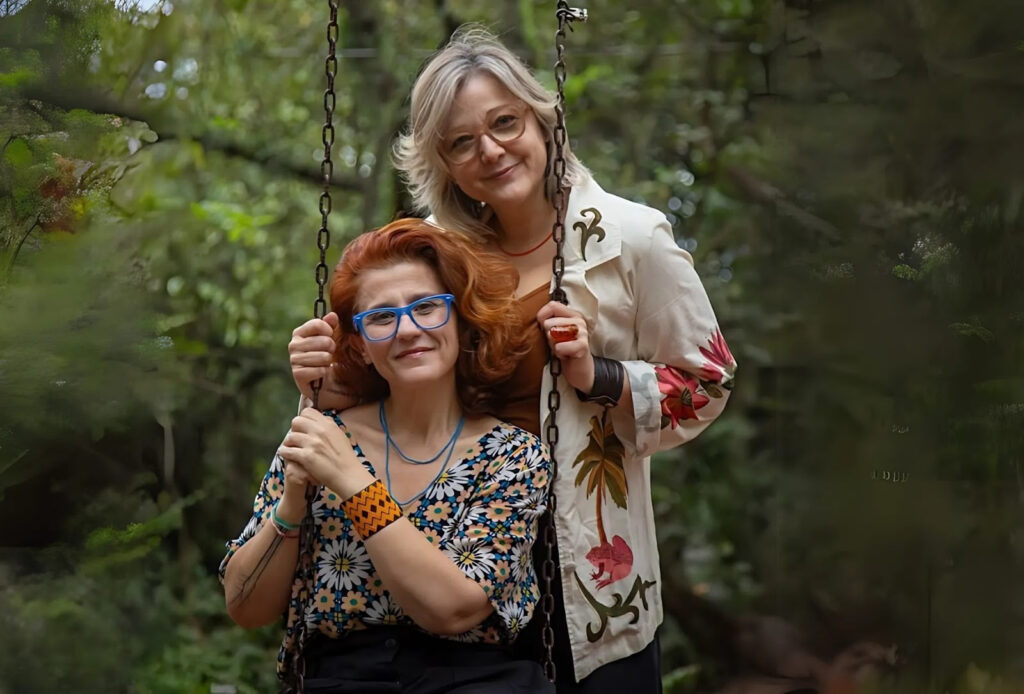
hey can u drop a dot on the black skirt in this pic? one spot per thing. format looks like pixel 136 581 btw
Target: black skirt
pixel 403 660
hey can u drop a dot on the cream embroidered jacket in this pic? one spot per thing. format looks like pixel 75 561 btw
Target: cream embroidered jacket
pixel 645 306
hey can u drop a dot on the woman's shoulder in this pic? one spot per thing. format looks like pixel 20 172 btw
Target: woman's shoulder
pixel 496 435
pixel 515 447
pixel 355 417
pixel 510 432
pixel 635 220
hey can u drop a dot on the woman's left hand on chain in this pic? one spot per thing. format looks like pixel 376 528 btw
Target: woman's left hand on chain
pixel 558 322
pixel 320 447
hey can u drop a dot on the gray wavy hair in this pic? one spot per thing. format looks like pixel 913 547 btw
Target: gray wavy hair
pixel 417 153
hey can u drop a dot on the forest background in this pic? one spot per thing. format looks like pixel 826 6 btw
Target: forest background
pixel 847 176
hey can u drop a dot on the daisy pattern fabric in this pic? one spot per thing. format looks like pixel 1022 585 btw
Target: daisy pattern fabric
pixel 482 512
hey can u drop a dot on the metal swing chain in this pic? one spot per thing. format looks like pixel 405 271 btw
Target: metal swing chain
pixel 323 240
pixel 566 16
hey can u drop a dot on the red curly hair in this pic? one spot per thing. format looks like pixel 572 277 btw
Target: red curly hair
pixel 491 341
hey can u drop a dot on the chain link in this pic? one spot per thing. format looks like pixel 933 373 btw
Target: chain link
pixel 323 236
pixel 323 241
pixel 566 16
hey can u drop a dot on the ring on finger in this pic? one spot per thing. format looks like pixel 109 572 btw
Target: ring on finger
pixel 564 333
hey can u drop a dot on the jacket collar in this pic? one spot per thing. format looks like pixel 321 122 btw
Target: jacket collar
pixel 591 236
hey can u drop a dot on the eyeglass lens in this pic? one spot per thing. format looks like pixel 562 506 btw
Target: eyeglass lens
pixel 427 314
pixel 505 126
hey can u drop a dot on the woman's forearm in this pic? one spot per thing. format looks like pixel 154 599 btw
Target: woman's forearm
pixel 258 578
pixel 430 588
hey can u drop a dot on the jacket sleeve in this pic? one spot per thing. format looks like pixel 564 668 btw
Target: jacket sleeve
pixel 685 370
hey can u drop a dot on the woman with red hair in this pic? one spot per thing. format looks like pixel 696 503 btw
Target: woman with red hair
pixel 425 509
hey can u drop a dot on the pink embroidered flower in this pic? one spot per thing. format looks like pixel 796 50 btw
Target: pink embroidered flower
pixel 720 364
pixel 681 399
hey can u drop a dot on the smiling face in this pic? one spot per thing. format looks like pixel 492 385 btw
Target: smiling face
pixel 413 357
pixel 500 175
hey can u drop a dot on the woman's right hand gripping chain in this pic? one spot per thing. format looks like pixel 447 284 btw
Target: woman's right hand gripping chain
pixel 311 354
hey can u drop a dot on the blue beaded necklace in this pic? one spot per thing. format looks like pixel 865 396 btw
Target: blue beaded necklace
pixel 389 442
pixel 382 415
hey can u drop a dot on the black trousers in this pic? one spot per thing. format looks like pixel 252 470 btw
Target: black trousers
pixel 402 660
pixel 639 673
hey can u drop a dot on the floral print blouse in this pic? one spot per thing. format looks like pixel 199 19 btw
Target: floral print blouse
pixel 482 512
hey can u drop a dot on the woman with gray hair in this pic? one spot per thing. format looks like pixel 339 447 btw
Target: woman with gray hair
pixel 644 362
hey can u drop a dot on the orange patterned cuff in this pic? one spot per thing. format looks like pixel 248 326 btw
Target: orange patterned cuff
pixel 371 509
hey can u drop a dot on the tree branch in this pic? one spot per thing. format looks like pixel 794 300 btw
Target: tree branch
pixel 67 99
pixel 17 249
pixel 766 194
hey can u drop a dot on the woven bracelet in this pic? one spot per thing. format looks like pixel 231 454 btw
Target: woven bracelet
pixel 371 509
pixel 283 528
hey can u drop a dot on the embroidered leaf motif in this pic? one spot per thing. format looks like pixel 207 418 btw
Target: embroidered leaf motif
pixel 711 389
pixel 600 466
pixel 588 230
pixel 620 606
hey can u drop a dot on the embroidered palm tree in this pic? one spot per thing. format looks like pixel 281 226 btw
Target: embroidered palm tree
pixel 600 467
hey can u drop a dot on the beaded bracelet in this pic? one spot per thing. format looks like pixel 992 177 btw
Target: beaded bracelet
pixel 283 527
pixel 371 509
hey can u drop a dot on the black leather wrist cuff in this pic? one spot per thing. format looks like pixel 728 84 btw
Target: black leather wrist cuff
pixel 609 376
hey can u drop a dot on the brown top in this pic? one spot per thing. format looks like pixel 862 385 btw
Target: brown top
pixel 520 394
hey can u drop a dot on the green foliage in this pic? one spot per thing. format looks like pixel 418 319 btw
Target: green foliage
pixel 107 614
pixel 681 680
pixel 846 176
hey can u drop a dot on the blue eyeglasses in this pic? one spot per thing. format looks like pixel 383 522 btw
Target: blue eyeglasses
pixel 428 313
